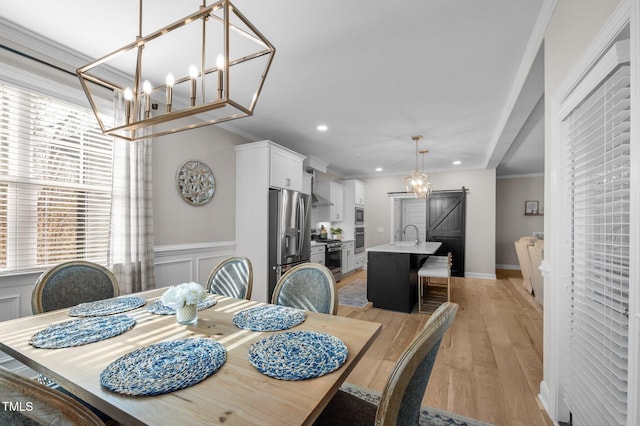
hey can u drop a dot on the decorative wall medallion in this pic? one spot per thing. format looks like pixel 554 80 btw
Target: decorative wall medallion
pixel 195 182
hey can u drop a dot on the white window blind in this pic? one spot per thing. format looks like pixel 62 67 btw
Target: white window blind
pixel 55 182
pixel 598 172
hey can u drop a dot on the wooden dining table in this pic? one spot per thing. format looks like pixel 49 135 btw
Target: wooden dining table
pixel 237 394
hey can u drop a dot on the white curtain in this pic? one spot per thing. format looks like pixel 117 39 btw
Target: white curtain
pixel 131 250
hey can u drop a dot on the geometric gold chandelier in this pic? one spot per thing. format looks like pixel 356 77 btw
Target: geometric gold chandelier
pixel 205 68
pixel 417 183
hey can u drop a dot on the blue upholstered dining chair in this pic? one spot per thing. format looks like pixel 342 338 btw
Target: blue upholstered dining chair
pixel 309 286
pixel 400 401
pixel 44 404
pixel 233 277
pixel 71 283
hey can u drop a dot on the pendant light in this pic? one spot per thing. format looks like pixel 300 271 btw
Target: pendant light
pixel 204 68
pixel 417 183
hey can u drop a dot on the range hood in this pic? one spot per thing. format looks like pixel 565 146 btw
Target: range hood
pixel 319 200
pixel 316 199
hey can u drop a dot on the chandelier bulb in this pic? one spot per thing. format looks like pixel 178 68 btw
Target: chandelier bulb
pixel 193 72
pixel 170 80
pixel 146 87
pixel 128 94
pixel 128 97
pixel 220 65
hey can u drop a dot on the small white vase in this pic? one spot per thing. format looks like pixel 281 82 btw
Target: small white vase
pixel 188 314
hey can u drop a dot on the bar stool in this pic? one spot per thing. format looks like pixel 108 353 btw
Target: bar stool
pixel 434 267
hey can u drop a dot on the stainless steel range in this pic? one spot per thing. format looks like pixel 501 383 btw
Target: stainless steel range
pixel 333 258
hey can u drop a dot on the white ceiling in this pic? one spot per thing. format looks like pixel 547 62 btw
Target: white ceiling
pixel 374 72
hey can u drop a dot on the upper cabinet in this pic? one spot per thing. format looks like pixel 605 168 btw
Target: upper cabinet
pixel 306 183
pixel 286 169
pixel 353 197
pixel 334 192
pixel 358 189
pixel 353 193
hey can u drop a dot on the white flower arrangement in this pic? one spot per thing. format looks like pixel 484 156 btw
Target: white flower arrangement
pixel 184 294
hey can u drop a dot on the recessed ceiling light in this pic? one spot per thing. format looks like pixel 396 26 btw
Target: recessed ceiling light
pixel 457 162
pixel 322 128
pixel 378 169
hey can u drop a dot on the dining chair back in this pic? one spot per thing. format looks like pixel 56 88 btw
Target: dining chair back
pixel 233 277
pixel 71 283
pixel 27 402
pixel 309 286
pixel 401 399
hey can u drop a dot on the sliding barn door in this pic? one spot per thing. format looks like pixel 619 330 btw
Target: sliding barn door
pixel 445 223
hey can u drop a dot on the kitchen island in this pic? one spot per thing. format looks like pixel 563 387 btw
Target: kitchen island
pixel 392 273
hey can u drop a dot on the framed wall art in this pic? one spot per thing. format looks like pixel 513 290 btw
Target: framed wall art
pixel 195 182
pixel 531 208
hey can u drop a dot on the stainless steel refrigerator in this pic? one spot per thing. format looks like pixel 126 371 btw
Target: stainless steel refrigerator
pixel 289 232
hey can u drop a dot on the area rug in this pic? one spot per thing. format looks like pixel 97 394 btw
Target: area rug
pixel 355 294
pixel 429 416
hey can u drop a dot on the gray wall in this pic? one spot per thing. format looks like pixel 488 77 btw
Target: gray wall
pixel 480 257
pixel 177 222
pixel 511 222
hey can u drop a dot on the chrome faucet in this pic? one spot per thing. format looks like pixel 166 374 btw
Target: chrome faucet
pixel 404 232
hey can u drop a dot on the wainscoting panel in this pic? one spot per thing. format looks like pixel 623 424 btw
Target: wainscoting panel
pixel 175 264
pixel 15 294
pixel 9 307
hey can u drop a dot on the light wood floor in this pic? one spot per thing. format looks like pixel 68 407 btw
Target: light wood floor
pixel 489 366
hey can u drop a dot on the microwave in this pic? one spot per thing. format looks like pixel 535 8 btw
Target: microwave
pixel 359 216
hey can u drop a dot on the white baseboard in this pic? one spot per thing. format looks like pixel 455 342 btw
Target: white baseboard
pixel 543 397
pixel 480 275
pixel 511 267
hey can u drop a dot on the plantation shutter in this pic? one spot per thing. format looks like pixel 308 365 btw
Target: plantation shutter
pixel 597 127
pixel 55 182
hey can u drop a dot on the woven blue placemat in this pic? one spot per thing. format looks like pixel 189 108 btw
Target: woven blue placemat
pixel 107 307
pixel 159 309
pixel 164 367
pixel 298 355
pixel 81 331
pixel 269 318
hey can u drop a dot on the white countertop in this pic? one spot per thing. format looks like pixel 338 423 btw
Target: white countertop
pixel 410 247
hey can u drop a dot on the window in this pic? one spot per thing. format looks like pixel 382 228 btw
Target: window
pixel 598 165
pixel 55 182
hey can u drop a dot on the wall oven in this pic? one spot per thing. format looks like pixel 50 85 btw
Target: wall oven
pixel 359 216
pixel 359 236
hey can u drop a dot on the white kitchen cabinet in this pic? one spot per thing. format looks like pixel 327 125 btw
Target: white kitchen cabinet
pixel 318 254
pixel 348 256
pixel 306 183
pixel 334 192
pixel 286 169
pixel 360 260
pixel 259 166
pixel 353 196
pixel 358 193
